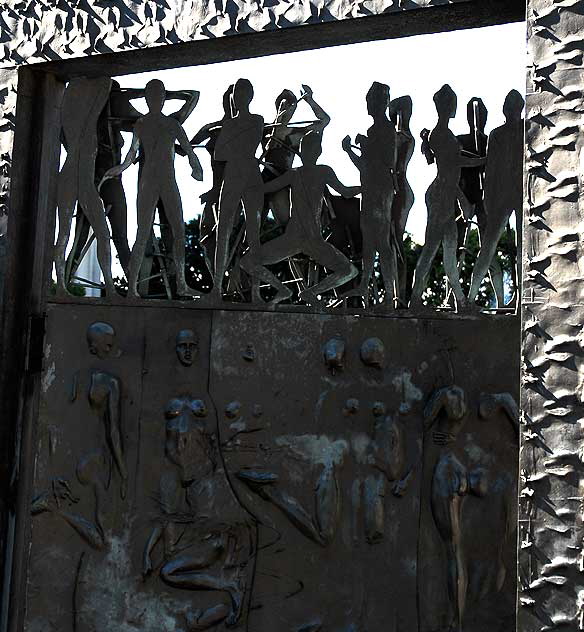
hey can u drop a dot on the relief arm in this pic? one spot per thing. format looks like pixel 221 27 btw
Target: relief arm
pixel 190 97
pixel 204 133
pixel 323 119
pixel 281 182
pixel 131 156
pixel 197 170
pixel 467 159
pixel 336 185
pixel 150 544
pixel 114 423
pixel 348 148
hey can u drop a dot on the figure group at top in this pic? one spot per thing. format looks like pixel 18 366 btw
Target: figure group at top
pixel 327 241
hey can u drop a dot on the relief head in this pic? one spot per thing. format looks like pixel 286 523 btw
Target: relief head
pixel 187 345
pixel 100 339
pixel 446 102
pixel 155 94
pixel 311 148
pixel 286 104
pixel 513 106
pixel 377 99
pixel 242 95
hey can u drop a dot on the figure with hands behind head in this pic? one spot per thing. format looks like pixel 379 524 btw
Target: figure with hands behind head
pixel 154 137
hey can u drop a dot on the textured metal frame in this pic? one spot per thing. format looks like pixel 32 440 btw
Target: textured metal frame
pixel 35 146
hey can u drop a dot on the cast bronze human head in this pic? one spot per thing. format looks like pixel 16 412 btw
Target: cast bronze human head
pixel 100 339
pixel 155 95
pixel 187 345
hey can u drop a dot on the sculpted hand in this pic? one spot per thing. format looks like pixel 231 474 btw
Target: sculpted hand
pixel 197 170
pixel 306 92
pixel 208 196
pixel 147 565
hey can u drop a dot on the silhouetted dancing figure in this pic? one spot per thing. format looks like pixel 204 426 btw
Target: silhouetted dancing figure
pixel 282 142
pixel 209 217
pixel 236 146
pixel 303 233
pixel 503 187
pixel 443 147
pixel 155 135
pixel 83 102
pixel 472 181
pixel 400 111
pixel 376 165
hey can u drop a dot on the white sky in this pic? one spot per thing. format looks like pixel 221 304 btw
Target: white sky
pixel 485 62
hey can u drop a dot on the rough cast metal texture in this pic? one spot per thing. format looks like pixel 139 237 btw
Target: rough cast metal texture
pixel 551 559
pixel 43 30
pixel 257 471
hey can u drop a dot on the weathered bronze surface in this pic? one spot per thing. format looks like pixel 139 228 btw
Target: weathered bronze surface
pixel 258 471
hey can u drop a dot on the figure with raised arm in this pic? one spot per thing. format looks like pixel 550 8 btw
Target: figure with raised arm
pixel 281 145
pixel 400 111
pixel 236 146
pixel 441 145
pixel 303 233
pixel 154 137
pixel 503 187
pixel 83 102
pixel 376 164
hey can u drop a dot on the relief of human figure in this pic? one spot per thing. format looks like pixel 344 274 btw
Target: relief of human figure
pixel 451 482
pixel 400 111
pixel 94 469
pixel 83 102
pixel 93 472
pixel 503 187
pixel 281 144
pixel 377 166
pixel 303 233
pixel 105 392
pixel 208 538
pixel 386 462
pixel 443 147
pixel 154 137
pixel 319 525
pixel 236 146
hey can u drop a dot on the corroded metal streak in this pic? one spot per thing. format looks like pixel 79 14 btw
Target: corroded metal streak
pixel 551 557
pixel 34 31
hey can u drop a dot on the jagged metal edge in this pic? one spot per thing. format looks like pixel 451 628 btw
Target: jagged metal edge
pixel 551 581
pixel 43 30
